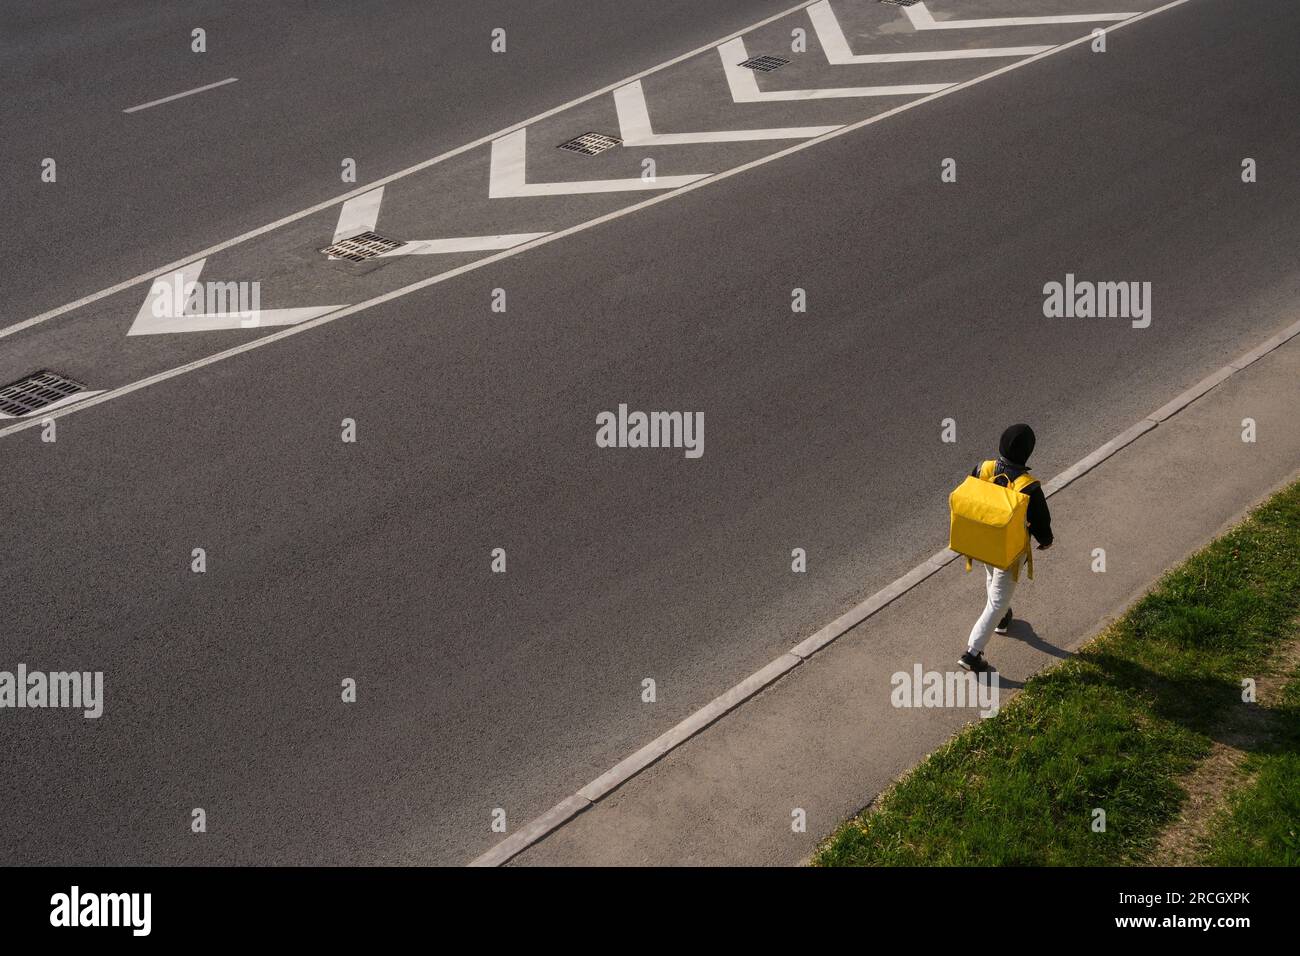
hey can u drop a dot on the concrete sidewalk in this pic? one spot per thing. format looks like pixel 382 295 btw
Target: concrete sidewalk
pixel 825 737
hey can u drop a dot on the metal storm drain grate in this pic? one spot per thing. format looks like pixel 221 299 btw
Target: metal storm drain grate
pixel 899 3
pixel 35 392
pixel 590 144
pixel 765 64
pixel 365 246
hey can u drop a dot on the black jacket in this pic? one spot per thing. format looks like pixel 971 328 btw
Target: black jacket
pixel 1040 519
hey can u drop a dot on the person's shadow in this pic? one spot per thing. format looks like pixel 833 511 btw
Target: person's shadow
pixel 1024 632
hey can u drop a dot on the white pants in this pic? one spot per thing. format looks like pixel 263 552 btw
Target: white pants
pixel 998 586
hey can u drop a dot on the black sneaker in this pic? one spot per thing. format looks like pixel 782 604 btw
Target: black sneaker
pixel 975 663
pixel 1004 625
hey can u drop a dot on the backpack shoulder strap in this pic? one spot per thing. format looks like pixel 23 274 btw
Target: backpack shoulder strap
pixel 1023 482
pixel 986 469
pixel 1022 485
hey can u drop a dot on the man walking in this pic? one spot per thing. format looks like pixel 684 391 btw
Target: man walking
pixel 1014 449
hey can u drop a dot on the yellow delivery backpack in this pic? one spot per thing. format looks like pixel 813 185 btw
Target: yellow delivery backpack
pixel 989 521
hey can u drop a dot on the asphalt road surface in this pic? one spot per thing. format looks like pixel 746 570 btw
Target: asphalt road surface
pixel 371 561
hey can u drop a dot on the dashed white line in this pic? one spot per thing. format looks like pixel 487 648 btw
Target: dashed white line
pixel 177 96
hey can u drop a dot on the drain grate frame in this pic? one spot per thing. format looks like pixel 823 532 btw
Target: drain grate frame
pixel 590 144
pixel 35 392
pixel 765 63
pixel 899 3
pixel 363 246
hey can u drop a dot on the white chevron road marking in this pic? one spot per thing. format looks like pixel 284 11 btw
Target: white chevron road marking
pixel 509 156
pixel 744 84
pixel 833 42
pixel 166 308
pixel 359 215
pixel 439 247
pixel 922 19
pixel 362 215
pixel 635 130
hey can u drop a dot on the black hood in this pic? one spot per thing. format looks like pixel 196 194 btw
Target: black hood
pixel 1017 444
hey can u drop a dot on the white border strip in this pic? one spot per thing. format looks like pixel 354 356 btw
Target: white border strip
pixel 523 247
pixel 629 767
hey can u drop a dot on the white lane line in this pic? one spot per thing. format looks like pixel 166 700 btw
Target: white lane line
pixel 177 96
pixel 564 233
pixel 744 83
pixel 360 190
pixel 923 20
pixel 438 247
pixel 635 129
pixel 166 308
pixel 729 700
pixel 507 180
pixel 836 46
pixel 359 215
pixel 42 413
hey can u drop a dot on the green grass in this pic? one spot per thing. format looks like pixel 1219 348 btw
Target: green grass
pixel 1261 824
pixel 1113 727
